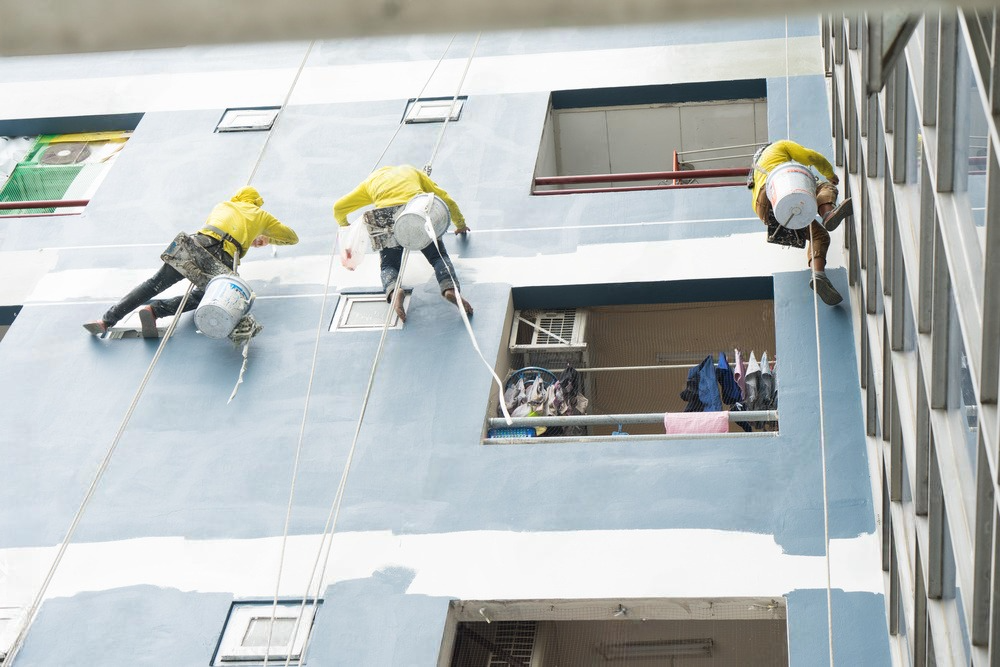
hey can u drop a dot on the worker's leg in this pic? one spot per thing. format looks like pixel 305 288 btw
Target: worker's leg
pixel 161 280
pixel 816 251
pixel 390 260
pixel 168 307
pixel 444 271
pixel 826 198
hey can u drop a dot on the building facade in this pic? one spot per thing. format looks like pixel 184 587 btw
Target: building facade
pixel 915 108
pixel 147 519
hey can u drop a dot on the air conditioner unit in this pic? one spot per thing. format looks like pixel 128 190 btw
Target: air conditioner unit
pixel 548 329
pixel 549 339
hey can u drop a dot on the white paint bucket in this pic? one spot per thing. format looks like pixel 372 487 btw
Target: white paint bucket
pixel 227 299
pixel 791 189
pixel 410 227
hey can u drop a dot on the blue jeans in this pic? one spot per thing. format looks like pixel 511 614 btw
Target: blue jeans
pixel 391 258
pixel 165 277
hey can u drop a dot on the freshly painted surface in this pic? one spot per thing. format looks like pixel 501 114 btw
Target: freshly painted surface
pixel 190 512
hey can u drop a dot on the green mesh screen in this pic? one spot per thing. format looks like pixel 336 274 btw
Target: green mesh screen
pixel 31 182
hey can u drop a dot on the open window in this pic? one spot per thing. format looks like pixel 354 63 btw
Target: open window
pixel 640 133
pixel 589 633
pixel 636 364
pixel 55 173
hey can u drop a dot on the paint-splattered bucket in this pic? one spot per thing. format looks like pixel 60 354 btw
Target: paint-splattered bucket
pixel 410 227
pixel 227 299
pixel 791 189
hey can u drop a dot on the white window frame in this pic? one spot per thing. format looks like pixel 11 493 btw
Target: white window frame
pixel 241 614
pixel 230 121
pixel 347 301
pixel 433 111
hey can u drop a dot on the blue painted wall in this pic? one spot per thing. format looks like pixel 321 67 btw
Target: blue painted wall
pixel 191 466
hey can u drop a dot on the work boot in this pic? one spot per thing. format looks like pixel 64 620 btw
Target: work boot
pixel 97 327
pixel 397 304
pixel 825 289
pixel 838 215
pixel 451 296
pixel 147 321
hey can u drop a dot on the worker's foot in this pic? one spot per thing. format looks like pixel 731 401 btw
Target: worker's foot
pixel 825 289
pixel 451 295
pixel 838 215
pixel 97 327
pixel 147 321
pixel 398 298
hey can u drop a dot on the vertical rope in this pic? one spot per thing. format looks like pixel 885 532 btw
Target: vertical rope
pixel 822 448
pixel 309 387
pixel 447 118
pixel 36 602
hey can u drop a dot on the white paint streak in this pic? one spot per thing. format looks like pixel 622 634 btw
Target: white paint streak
pixel 399 80
pixel 745 255
pixel 465 565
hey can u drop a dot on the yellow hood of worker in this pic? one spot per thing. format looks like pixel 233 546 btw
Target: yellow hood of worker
pixel 248 195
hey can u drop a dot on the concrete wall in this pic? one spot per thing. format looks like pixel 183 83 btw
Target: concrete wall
pixel 189 514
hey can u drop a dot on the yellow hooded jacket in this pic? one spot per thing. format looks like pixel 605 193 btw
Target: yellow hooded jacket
pixel 786 151
pixel 393 186
pixel 243 218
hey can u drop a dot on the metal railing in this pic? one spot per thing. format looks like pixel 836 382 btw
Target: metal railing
pixel 47 203
pixel 615 420
pixel 672 176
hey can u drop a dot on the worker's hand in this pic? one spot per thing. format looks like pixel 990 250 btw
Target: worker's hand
pixel 260 241
pixel 463 231
pixel 835 180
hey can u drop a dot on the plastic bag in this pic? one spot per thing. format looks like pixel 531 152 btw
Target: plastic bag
pixel 353 244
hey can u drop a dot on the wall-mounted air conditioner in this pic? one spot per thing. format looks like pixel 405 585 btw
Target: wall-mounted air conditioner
pixel 548 330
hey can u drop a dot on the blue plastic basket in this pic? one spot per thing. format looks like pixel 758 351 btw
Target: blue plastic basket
pixel 521 432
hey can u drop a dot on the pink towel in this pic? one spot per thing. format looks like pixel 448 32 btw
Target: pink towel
pixel 683 423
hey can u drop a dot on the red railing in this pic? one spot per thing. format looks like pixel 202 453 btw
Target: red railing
pixel 672 176
pixel 51 203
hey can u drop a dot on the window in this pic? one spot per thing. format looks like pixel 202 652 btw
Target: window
pixel 433 109
pixel 245 635
pixel 633 360
pixel 365 312
pixel 247 119
pixel 648 129
pixel 583 633
pixel 7 315
pixel 56 167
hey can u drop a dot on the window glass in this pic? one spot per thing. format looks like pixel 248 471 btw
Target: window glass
pixel 914 140
pixel 962 414
pixel 971 137
pixel 952 596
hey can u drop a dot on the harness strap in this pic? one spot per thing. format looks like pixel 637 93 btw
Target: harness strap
pixel 227 237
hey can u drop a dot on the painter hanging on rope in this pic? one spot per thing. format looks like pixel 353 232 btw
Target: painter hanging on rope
pixel 232 228
pixel 390 190
pixel 787 198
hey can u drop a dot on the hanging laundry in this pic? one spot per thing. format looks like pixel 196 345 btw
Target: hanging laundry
pixel 751 400
pixel 702 389
pixel 563 399
pixel 740 373
pixel 684 423
pixel 730 390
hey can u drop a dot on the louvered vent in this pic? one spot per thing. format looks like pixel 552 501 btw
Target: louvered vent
pixel 548 329
pixel 515 639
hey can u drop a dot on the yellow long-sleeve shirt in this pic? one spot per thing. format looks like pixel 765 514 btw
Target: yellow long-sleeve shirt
pixel 245 222
pixel 393 186
pixel 787 151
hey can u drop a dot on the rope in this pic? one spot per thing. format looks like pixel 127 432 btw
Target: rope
pixel 788 97
pixel 822 451
pixel 334 514
pixel 454 99
pixel 309 387
pixel 105 462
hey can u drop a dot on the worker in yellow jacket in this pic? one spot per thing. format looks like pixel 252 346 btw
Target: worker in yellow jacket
pixel 784 151
pixel 389 189
pixel 232 228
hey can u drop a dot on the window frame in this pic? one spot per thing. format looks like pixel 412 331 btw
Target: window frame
pixel 230 649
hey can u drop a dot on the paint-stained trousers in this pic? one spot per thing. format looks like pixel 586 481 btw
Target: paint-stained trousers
pixel 391 258
pixel 165 277
pixel 826 193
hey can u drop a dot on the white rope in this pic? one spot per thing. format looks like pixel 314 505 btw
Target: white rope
pixel 305 410
pixel 331 525
pixel 454 99
pixel 105 462
pixel 788 98
pixel 822 448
